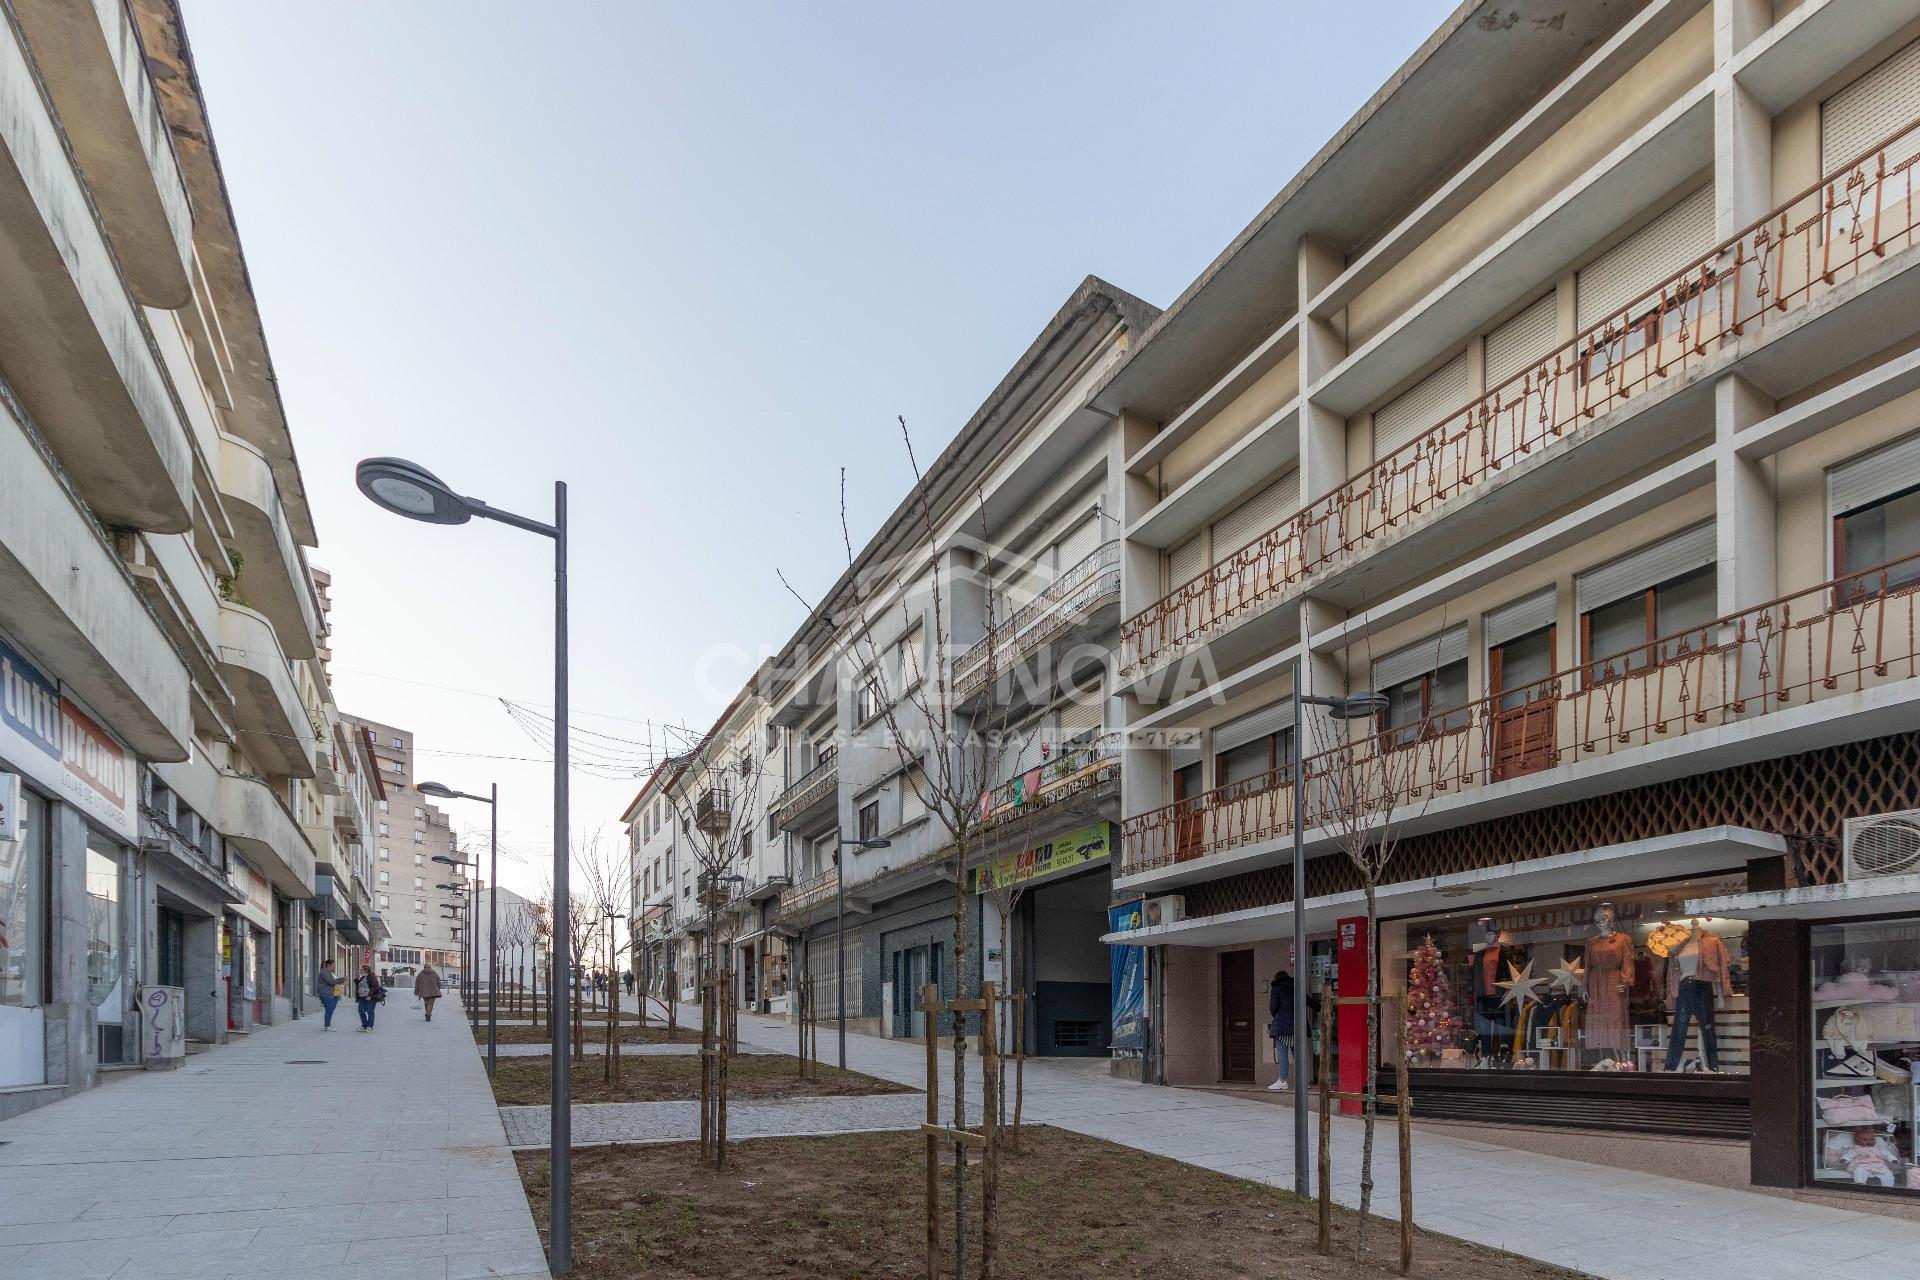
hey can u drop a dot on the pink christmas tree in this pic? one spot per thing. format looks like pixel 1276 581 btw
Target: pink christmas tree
pixel 1431 1024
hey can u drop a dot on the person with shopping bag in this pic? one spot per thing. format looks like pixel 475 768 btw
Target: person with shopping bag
pixel 426 988
pixel 368 992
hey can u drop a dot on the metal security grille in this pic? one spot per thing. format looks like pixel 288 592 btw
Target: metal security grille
pixel 1075 1035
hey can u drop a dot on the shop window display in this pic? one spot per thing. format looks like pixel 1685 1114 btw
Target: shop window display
pixel 1866 1003
pixel 1612 982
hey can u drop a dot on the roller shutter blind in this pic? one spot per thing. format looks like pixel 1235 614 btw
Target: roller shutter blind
pixel 1521 618
pixel 1420 658
pixel 1079 717
pixel 1684 552
pixel 1183 757
pixel 1252 518
pixel 1186 562
pixel 1080 542
pixel 1521 342
pixel 1645 258
pixel 1420 407
pixel 1872 109
pixel 1252 726
pixel 1878 474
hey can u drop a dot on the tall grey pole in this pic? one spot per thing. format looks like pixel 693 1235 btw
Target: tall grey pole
pixel 472 994
pixel 840 963
pixel 559 1110
pixel 1301 1036
pixel 493 933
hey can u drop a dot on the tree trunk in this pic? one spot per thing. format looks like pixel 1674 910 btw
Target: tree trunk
pixel 959 1058
pixel 1370 1106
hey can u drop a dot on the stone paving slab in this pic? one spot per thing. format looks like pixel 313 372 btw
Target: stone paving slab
pixel 296 1153
pixel 603 1122
pixel 626 1050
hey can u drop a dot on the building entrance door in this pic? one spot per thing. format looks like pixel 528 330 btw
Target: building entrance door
pixel 1236 1016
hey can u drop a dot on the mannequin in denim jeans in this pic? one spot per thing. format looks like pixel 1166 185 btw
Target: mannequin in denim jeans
pixel 1696 971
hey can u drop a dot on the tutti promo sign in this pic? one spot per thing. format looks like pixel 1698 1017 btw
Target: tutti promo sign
pixel 1062 853
pixel 50 739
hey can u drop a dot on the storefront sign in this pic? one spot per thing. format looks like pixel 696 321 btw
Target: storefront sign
pixel 1063 853
pixel 258 907
pixel 1128 981
pixel 52 740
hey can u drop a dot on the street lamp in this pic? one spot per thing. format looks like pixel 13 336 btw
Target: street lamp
pixel 410 490
pixel 440 791
pixel 840 943
pixel 1353 706
pixel 468 960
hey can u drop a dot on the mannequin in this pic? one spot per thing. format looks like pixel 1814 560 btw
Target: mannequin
pixel 1697 971
pixel 1609 979
pixel 1488 971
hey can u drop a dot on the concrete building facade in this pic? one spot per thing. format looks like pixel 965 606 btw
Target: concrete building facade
pixel 407 835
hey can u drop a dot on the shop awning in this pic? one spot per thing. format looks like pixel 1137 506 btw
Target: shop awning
pixel 1889 895
pixel 1682 854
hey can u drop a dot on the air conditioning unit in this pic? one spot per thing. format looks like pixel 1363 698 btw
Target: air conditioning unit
pixel 1170 908
pixel 1885 844
pixel 163 1027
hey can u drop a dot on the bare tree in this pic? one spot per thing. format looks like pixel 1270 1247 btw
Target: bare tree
pixel 541 913
pixel 1364 788
pixel 603 868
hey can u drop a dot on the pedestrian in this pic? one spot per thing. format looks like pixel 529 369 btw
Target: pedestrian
pixel 1280 1026
pixel 368 992
pixel 327 987
pixel 626 980
pixel 426 985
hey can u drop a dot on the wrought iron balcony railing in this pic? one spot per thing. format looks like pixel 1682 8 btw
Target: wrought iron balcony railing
pixel 808 789
pixel 1837 638
pixel 1076 768
pixel 1812 244
pixel 1080 589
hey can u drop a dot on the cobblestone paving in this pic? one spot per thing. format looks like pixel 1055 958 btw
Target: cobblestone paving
pixel 680 1121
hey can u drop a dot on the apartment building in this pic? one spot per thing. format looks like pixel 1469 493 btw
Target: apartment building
pixel 1567 399
pixel 424 921
pixel 1022 615
pixel 162 702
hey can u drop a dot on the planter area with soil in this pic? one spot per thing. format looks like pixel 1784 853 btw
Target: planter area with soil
pixel 525 1082
pixel 852 1206
pixel 596 1033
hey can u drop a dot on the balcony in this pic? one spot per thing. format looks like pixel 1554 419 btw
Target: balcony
pixel 272 723
pixel 713 811
pixel 330 900
pixel 1736 305
pixel 255 821
pixel 1829 664
pixel 1072 784
pixel 1081 601
pixel 270 576
pixel 814 898
pixel 812 798
pixel 76 347
pixel 96 74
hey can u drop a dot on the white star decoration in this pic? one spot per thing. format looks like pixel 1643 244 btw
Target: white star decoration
pixel 1522 986
pixel 1570 977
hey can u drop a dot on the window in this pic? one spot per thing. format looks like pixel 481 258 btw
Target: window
pixel 23 906
pixel 1420 707
pixel 419 837
pixel 383 829
pixel 419 907
pixel 383 806
pixel 913 794
pixel 1619 637
pixel 866 702
pixel 1858 1041
pixel 393 766
pixel 419 860
pixel 384 854
pixel 419 813
pixel 419 930
pixel 398 745
pixel 1875 502
pixel 384 878
pixel 746 845
pixel 420 883
pixel 385 902
pixel 1254 752
pixel 868 827
pixel 773 738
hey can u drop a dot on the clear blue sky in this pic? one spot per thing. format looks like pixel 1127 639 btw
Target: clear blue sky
pixel 693 258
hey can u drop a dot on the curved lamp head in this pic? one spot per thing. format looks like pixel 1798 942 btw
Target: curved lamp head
pixel 438 790
pixel 409 489
pixel 1359 706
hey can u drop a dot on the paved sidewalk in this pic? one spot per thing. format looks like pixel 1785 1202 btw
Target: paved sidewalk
pixel 293 1153
pixel 1619 1223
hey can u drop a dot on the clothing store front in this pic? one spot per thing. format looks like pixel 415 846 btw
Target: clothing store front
pixel 1836 1104
pixel 1610 1009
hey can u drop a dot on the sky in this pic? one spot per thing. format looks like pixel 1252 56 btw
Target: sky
pixel 693 259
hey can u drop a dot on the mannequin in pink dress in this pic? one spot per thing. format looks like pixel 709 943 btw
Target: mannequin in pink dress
pixel 1609 979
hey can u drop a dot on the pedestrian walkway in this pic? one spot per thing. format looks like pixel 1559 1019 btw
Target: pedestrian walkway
pixel 292 1153
pixel 1617 1223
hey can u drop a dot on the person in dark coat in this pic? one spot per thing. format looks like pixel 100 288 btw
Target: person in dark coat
pixel 1280 1024
pixel 368 992
pixel 426 985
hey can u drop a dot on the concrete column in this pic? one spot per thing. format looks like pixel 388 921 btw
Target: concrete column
pixel 1737 24
pixel 1323 344
pixel 1144 778
pixel 1744 501
pixel 72 1048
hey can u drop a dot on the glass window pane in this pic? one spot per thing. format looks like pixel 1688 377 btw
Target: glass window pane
pixel 1524 664
pixel 1864 1044
pixel 1887 533
pixel 23 906
pixel 1617 637
pixel 1448 696
pixel 1682 604
pixel 105 927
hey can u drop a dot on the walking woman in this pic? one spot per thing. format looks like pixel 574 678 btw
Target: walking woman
pixel 367 995
pixel 327 987
pixel 1280 1027
pixel 426 985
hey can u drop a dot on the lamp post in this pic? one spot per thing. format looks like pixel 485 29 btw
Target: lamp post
pixel 410 490
pixel 840 942
pixel 1356 706
pixel 440 791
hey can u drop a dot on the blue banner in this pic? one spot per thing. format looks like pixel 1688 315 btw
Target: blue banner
pixel 1129 981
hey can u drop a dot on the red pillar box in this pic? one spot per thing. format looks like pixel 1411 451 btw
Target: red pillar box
pixel 1353 954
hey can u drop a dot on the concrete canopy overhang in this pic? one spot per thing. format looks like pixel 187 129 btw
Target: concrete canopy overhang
pixel 1487 62
pixel 255 820
pixel 272 578
pixel 1889 895
pixel 1669 857
pixel 96 74
pixel 74 344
